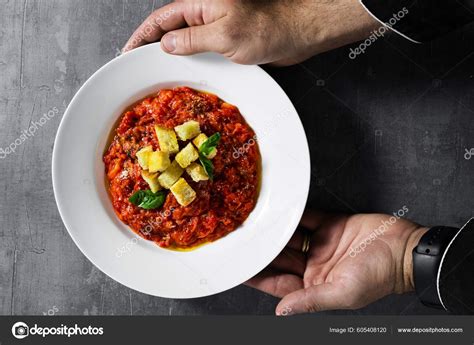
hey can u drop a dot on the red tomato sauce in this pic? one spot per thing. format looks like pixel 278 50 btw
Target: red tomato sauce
pixel 221 205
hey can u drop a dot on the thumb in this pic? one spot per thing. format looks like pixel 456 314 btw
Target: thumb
pixel 193 40
pixel 315 298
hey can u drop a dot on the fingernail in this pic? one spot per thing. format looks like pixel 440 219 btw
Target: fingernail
pixel 169 42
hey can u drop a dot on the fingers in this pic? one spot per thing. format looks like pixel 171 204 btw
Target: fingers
pixel 312 299
pixel 310 221
pixel 195 39
pixel 290 261
pixel 296 241
pixel 169 17
pixel 202 35
pixel 313 219
pixel 275 283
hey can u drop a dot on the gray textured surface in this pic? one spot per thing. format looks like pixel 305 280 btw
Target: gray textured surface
pixel 386 130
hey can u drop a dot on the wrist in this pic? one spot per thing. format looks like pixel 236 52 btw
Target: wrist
pixel 330 25
pixel 411 243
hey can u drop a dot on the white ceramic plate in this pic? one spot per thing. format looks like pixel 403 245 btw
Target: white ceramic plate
pixel 82 199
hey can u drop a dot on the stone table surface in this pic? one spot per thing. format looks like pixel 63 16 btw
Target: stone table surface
pixel 386 130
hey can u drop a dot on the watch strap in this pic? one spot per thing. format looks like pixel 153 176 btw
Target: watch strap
pixel 427 256
pixel 455 276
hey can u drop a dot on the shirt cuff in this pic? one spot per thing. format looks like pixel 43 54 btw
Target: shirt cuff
pixel 454 282
pixel 421 20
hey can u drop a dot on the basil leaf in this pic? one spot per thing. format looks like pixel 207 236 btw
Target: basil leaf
pixel 137 197
pixel 148 200
pixel 210 144
pixel 207 165
pixel 153 200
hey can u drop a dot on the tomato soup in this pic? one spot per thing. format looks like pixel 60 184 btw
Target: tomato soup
pixel 220 204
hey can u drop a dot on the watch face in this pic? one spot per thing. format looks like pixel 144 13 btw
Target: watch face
pixel 456 276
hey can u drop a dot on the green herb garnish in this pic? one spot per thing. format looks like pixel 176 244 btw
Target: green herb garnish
pixel 210 144
pixel 148 200
pixel 207 165
pixel 205 150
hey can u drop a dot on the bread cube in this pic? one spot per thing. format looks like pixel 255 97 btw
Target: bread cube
pixel 158 161
pixel 142 156
pixel 187 155
pixel 188 130
pixel 152 180
pixel 167 139
pixel 183 192
pixel 197 172
pixel 199 140
pixel 170 175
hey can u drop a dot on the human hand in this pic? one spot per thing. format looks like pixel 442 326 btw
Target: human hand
pixel 282 32
pixel 352 261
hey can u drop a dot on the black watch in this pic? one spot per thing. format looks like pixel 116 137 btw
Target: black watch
pixel 427 257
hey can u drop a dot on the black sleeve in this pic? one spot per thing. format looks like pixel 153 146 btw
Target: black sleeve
pixel 422 20
pixel 456 273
